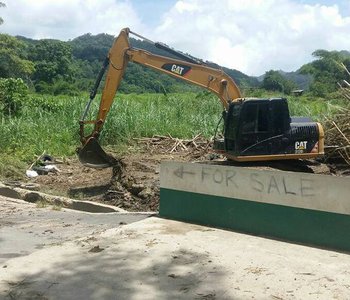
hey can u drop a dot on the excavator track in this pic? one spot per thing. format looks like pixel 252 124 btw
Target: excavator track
pixel 302 166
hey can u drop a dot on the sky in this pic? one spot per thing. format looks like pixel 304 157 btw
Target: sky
pixel 252 36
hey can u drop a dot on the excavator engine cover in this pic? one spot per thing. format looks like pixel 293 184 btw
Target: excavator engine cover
pixel 93 156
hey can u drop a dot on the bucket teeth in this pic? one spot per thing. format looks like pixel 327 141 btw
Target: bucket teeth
pixel 93 156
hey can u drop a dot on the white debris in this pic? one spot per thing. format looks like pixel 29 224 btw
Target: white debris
pixel 31 173
pixel 52 168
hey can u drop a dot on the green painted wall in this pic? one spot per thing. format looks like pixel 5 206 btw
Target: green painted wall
pixel 306 226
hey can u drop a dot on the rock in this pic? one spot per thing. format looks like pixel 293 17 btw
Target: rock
pixel 146 193
pixel 31 186
pixel 96 249
pixel 142 167
pixel 33 197
pixel 13 183
pixel 125 204
pixel 117 186
pixel 137 188
pixel 57 201
pixel 8 192
pixel 128 182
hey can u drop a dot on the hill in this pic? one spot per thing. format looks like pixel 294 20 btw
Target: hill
pixel 93 48
pixel 302 81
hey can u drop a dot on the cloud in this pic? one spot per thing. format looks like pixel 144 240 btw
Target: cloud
pixel 66 19
pixel 254 35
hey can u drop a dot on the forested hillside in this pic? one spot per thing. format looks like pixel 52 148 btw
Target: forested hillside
pixel 57 67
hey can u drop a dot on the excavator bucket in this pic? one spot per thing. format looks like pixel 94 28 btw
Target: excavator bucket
pixel 92 155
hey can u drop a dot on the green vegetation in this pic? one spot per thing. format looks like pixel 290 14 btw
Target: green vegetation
pixel 13 94
pixel 274 81
pixel 68 68
pixel 315 107
pixel 13 58
pixel 51 123
pixel 2 4
pixel 57 67
pixel 326 71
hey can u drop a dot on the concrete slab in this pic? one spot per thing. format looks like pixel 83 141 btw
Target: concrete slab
pixel 25 228
pixel 305 208
pixel 162 259
pixel 31 196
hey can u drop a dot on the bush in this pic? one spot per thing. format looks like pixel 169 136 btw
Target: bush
pixel 43 88
pixel 47 103
pixel 13 92
pixel 319 89
pixel 274 81
pixel 59 87
pixel 62 87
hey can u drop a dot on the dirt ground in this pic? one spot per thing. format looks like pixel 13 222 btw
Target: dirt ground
pixel 138 187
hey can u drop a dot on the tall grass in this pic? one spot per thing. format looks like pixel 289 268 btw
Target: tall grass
pixel 41 127
pixel 316 108
pixel 51 123
pixel 180 115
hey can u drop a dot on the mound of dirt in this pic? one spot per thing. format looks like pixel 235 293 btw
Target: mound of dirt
pixel 136 188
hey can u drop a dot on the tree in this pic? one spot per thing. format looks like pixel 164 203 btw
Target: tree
pixel 13 61
pixel 52 59
pixel 89 51
pixel 326 70
pixel 91 47
pixel 13 93
pixel 274 81
pixel 2 4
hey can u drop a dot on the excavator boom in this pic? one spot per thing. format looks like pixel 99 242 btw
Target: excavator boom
pixel 188 69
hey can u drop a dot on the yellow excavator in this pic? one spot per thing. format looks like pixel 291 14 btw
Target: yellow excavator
pixel 254 129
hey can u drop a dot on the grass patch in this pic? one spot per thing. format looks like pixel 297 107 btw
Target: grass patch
pixel 57 207
pixel 11 167
pixel 41 204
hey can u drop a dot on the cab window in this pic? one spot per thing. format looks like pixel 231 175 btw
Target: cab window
pixel 255 118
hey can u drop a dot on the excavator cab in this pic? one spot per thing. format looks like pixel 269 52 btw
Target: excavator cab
pixel 262 129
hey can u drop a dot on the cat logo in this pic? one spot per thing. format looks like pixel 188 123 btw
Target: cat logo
pixel 300 145
pixel 178 69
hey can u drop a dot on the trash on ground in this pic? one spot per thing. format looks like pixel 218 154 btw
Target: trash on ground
pixel 43 165
pixel 31 173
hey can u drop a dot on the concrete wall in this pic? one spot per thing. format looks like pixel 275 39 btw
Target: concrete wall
pixel 306 208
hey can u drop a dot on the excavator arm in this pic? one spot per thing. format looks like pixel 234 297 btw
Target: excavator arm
pixel 185 68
